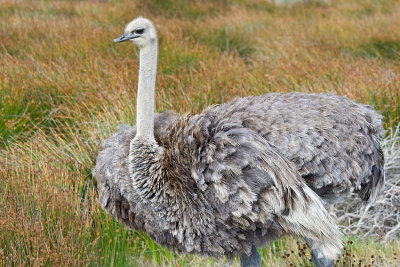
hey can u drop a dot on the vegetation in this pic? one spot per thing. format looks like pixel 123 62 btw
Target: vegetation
pixel 64 88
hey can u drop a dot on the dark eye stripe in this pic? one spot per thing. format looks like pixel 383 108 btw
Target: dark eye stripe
pixel 139 31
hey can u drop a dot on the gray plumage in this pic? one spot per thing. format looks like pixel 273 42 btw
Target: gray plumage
pixel 333 141
pixel 229 187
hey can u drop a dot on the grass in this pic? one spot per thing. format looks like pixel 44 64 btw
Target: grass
pixel 65 87
pixel 388 49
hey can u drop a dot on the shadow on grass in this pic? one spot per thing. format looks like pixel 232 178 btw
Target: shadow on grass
pixel 23 112
pixel 228 39
pixel 375 48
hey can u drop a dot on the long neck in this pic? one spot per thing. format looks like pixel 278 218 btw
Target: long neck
pixel 146 91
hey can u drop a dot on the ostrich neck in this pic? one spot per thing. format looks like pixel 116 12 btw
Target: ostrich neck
pixel 147 168
pixel 146 91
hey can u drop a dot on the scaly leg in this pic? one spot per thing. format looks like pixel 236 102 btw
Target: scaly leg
pixel 254 260
pixel 318 259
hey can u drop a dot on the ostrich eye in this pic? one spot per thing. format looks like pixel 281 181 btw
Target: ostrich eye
pixel 139 31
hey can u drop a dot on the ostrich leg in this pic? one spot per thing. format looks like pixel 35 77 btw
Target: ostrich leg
pixel 253 260
pixel 318 259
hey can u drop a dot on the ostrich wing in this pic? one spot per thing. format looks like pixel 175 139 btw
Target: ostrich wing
pixel 333 141
pixel 254 193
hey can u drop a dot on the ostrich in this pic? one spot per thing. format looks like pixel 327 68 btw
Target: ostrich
pixel 228 180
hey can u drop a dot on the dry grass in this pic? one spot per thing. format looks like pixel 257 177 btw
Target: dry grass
pixel 65 87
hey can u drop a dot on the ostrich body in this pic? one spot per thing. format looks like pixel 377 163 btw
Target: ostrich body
pixel 334 142
pixel 216 183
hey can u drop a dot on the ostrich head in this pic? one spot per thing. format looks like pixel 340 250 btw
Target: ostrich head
pixel 140 31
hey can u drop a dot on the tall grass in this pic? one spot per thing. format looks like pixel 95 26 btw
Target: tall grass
pixel 65 87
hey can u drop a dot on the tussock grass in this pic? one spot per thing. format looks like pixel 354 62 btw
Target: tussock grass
pixel 65 87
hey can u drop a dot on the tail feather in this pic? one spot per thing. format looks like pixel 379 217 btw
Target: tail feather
pixel 370 190
pixel 312 221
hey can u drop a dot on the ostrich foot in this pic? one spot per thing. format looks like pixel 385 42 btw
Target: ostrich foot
pixel 253 260
pixel 317 258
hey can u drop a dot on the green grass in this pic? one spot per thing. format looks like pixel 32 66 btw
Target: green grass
pixel 228 39
pixel 21 113
pixel 386 49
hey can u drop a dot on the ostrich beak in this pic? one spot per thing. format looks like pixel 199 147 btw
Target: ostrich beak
pixel 123 38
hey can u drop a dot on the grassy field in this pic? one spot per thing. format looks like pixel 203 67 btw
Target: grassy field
pixel 64 88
